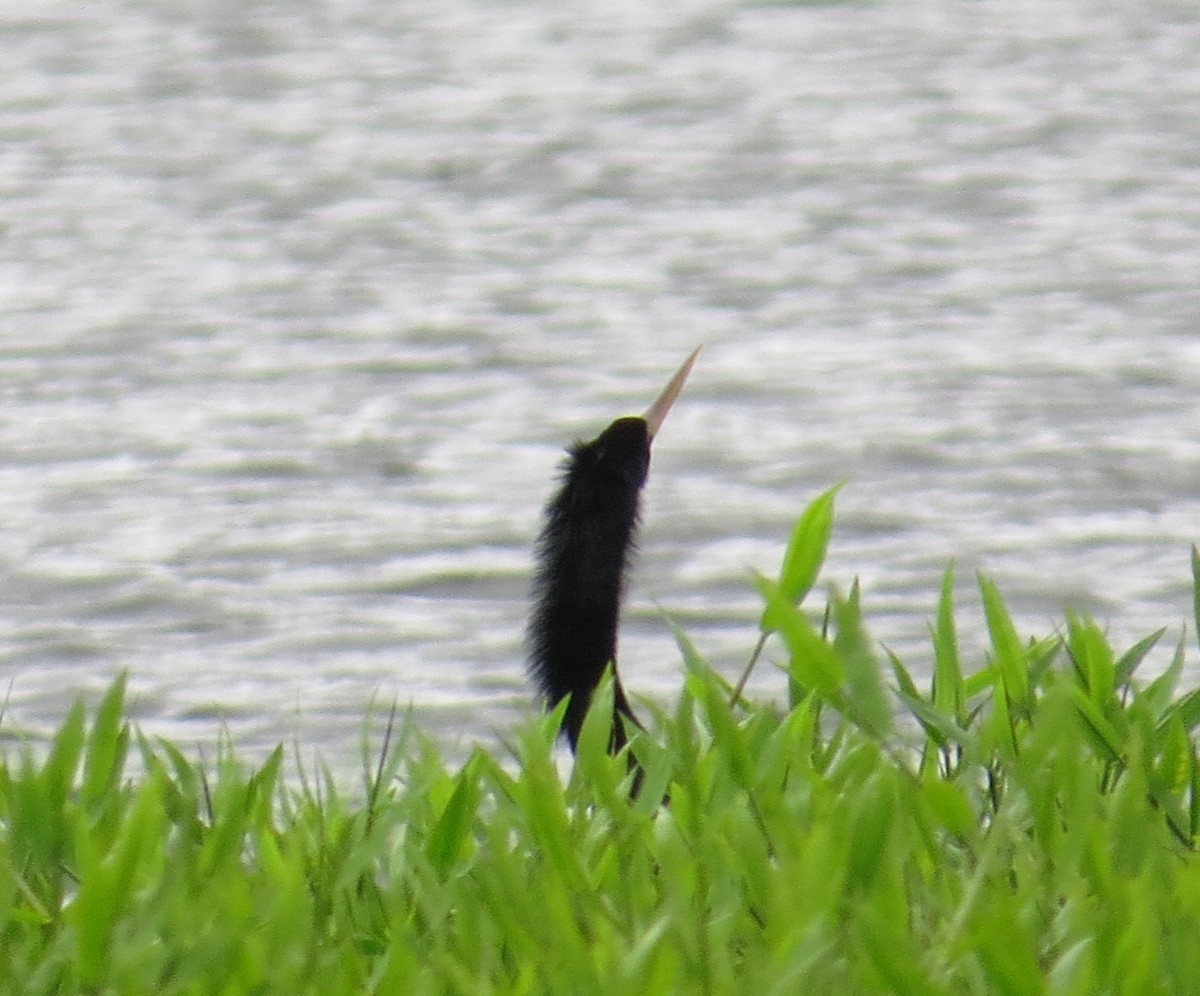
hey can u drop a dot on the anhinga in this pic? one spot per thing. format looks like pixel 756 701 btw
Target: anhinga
pixel 590 530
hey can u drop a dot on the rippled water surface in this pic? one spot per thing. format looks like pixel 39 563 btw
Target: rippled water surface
pixel 300 301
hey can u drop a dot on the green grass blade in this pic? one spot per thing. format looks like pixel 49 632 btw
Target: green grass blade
pixel 865 697
pixel 1003 735
pixel 814 664
pixel 948 803
pixel 804 555
pixel 904 680
pixel 1133 657
pixel 1187 709
pixel 698 667
pixel 1129 817
pixel 597 731
pixel 1100 731
pixel 106 747
pixel 65 752
pixel 93 909
pixel 979 682
pixel 1194 795
pixel 1159 693
pixel 1009 655
pixel 1173 766
pixel 449 836
pixel 1041 655
pixel 938 726
pixel 948 695
pixel 1093 659
pixel 727 736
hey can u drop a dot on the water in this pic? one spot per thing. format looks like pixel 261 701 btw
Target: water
pixel 299 303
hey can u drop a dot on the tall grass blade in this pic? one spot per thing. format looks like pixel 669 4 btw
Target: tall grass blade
pixel 1130 815
pixel 1008 653
pixel 65 751
pixel 727 735
pixel 1093 659
pixel 1188 710
pixel 1159 693
pixel 1133 657
pixel 804 555
pixel 814 664
pixel 947 671
pixel 904 680
pixel 693 661
pixel 1194 796
pixel 1173 767
pixel 107 743
pixel 949 805
pixel 802 560
pixel 1108 743
pixel 450 833
pixel 864 694
pixel 940 728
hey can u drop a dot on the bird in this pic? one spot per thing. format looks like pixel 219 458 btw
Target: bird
pixel 582 558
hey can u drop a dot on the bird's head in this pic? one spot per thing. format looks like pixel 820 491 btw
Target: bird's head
pixel 621 453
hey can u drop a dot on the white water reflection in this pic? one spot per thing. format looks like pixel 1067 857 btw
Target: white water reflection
pixel 299 302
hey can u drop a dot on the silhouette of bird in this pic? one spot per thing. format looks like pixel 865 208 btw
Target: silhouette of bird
pixel 582 554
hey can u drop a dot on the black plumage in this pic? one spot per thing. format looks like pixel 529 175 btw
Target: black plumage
pixel 582 555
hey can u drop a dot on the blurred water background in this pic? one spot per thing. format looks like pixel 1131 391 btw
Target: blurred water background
pixel 299 302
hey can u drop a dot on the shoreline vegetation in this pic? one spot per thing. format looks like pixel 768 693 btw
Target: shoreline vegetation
pixel 1025 824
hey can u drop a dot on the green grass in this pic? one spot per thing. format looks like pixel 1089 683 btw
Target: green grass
pixel 1024 825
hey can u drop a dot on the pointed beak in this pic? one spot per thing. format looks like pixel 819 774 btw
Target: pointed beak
pixel 658 411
